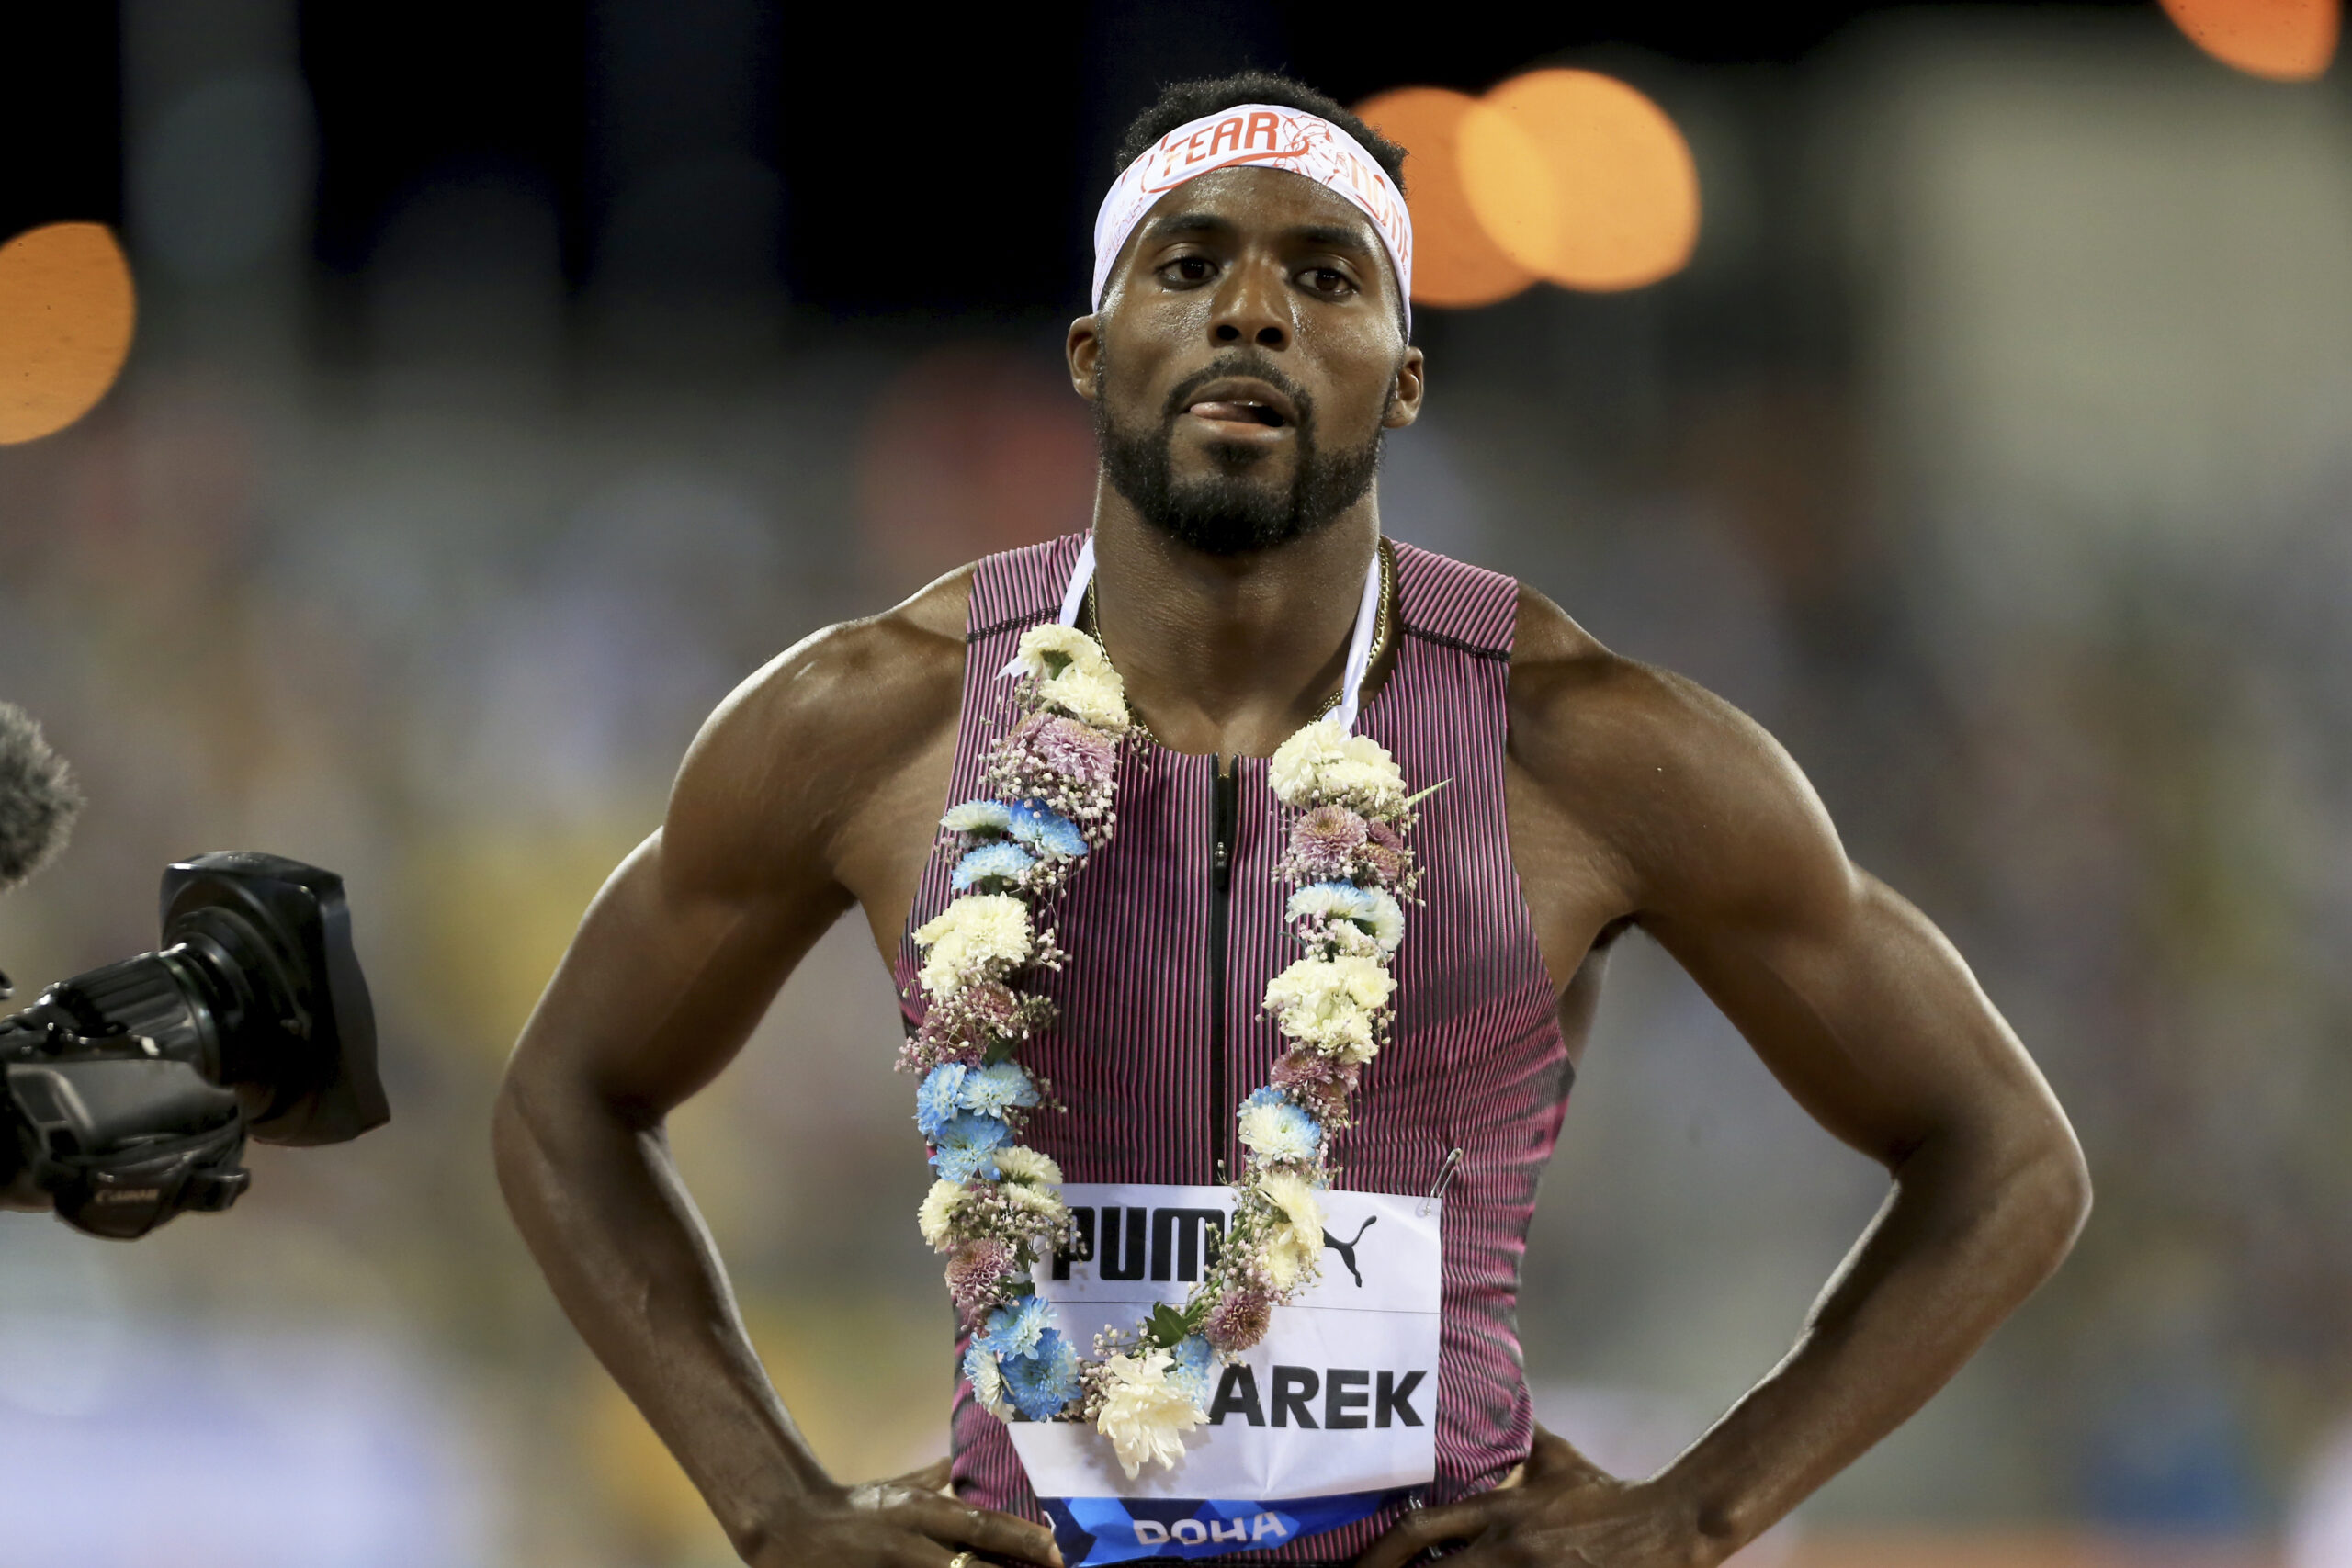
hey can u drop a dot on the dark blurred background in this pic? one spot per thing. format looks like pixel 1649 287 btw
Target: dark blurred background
pixel 509 380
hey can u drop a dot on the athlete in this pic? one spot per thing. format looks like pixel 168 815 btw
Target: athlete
pixel 1248 352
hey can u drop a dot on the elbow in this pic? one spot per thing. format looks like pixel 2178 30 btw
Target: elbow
pixel 510 1109
pixel 550 1116
pixel 2049 1194
pixel 2076 1194
pixel 511 1141
pixel 526 1118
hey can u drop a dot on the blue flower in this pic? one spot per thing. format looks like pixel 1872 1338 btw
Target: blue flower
pixel 1001 860
pixel 1196 1358
pixel 968 1146
pixel 1043 1382
pixel 937 1099
pixel 1016 1329
pixel 1349 902
pixel 1047 832
pixel 994 1090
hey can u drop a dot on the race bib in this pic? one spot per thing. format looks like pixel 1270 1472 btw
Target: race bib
pixel 1325 1421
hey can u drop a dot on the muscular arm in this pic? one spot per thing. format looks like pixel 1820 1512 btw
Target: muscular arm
pixel 794 800
pixel 1637 795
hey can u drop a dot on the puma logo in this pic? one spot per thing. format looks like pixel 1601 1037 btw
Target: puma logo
pixel 1347 1249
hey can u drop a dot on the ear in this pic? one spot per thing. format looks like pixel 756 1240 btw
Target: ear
pixel 1083 348
pixel 1405 393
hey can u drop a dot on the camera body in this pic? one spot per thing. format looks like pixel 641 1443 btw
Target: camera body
pixel 127 1093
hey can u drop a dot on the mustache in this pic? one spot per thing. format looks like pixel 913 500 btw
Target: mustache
pixel 1251 365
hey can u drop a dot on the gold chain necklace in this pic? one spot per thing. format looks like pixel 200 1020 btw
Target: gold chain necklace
pixel 1092 626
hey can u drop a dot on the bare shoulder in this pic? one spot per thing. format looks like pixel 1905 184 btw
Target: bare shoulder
pixel 787 764
pixel 1692 804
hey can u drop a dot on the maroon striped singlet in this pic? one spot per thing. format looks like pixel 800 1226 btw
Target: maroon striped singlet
pixel 1161 1034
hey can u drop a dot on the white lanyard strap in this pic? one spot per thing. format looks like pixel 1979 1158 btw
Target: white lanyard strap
pixel 1360 646
pixel 1081 573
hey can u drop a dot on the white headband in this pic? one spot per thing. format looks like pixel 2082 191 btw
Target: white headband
pixel 1266 135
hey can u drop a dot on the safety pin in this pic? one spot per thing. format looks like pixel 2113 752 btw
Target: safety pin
pixel 1444 1175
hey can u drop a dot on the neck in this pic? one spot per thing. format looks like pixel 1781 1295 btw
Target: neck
pixel 1229 654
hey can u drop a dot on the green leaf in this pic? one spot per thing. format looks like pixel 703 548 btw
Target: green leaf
pixel 1413 800
pixel 999 1050
pixel 1165 1326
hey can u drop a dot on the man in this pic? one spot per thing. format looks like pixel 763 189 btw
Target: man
pixel 1249 349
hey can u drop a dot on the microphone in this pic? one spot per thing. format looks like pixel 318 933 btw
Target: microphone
pixel 39 798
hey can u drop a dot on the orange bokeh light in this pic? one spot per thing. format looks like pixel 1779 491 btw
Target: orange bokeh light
pixel 2287 40
pixel 1454 261
pixel 66 312
pixel 1581 179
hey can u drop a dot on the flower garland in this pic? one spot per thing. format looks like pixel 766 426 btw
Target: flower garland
pixel 995 1208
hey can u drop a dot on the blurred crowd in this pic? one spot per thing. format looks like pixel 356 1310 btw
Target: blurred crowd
pixel 1994 452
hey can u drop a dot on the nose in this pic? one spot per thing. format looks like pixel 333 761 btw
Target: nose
pixel 1251 308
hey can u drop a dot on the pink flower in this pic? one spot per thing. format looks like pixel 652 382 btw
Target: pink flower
pixel 975 1276
pixel 994 1006
pixel 947 1034
pixel 1064 746
pixel 1239 1319
pixel 1319 1083
pixel 1323 842
pixel 960 1027
pixel 1385 856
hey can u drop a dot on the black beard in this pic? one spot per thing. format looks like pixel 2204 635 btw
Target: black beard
pixel 1230 513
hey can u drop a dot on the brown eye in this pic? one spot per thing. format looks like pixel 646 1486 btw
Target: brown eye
pixel 1328 280
pixel 1190 269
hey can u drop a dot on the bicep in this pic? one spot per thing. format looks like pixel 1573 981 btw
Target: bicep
pixel 1867 1016
pixel 1851 996
pixel 686 946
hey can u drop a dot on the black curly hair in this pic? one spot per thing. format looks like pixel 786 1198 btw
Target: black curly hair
pixel 1180 103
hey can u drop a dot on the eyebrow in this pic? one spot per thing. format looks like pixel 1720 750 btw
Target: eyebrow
pixel 1189 223
pixel 1337 236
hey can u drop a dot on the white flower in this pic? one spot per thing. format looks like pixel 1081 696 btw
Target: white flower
pixel 1387 920
pixel 1090 696
pixel 1278 1132
pixel 987 1385
pixel 1371 909
pixel 977 932
pixel 1323 762
pixel 978 817
pixel 1143 1414
pixel 1299 760
pixel 1374 789
pixel 1325 900
pixel 1293 1242
pixel 1036 1200
pixel 1015 1164
pixel 938 1212
pixel 1330 1003
pixel 1053 645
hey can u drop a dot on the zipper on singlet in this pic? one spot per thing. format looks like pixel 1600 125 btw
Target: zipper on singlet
pixel 1227 816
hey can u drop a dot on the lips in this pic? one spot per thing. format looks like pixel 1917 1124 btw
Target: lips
pixel 1244 400
pixel 1238 414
